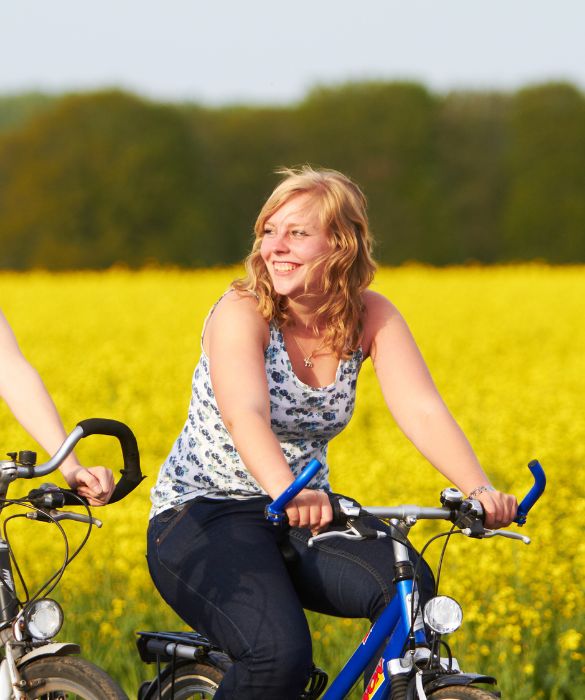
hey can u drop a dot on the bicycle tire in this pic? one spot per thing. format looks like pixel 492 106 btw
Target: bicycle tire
pixel 462 692
pixel 69 678
pixel 193 681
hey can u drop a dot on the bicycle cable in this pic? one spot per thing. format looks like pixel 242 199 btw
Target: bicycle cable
pixel 46 587
pixel 50 584
pixel 414 610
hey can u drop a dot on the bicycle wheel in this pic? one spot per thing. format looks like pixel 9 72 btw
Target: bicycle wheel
pixel 69 678
pixel 192 682
pixel 462 692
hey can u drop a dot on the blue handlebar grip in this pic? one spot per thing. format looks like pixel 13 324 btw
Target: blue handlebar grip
pixel 275 510
pixel 534 494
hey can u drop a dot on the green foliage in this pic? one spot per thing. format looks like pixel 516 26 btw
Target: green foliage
pixel 102 179
pixel 92 180
pixel 545 208
pixel 16 109
pixel 472 142
pixel 382 135
pixel 242 147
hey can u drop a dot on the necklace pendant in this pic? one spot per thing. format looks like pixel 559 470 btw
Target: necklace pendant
pixel 307 361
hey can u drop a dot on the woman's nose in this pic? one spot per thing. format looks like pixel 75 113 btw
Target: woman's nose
pixel 280 241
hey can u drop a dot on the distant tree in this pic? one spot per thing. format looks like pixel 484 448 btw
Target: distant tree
pixel 95 179
pixel 15 110
pixel 382 135
pixel 242 146
pixel 544 215
pixel 100 179
pixel 473 141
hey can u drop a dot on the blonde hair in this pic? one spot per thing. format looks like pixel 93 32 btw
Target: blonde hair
pixel 345 271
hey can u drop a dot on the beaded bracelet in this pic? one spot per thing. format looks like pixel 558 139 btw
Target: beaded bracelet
pixel 479 489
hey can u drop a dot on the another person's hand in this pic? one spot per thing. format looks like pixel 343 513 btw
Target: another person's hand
pixel 310 508
pixel 500 508
pixel 94 483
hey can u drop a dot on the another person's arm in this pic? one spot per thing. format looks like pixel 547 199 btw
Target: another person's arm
pixel 28 399
pixel 421 413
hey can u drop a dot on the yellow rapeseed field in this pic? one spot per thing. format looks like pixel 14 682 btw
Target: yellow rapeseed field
pixel 506 346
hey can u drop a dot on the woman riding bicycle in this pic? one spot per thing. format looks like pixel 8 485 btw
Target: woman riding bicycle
pixel 24 392
pixel 281 352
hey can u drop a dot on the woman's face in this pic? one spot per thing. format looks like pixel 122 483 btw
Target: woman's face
pixel 293 239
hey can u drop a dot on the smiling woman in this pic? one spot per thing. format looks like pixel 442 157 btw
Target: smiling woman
pixel 320 217
pixel 294 246
pixel 276 381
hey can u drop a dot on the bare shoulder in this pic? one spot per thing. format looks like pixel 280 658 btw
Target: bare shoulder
pixel 236 314
pixel 377 304
pixel 237 302
pixel 379 312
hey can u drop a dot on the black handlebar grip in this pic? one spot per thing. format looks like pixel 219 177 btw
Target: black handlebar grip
pixel 131 472
pixel 71 498
pixel 339 517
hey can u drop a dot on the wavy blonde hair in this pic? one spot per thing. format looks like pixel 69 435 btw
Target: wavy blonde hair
pixel 345 271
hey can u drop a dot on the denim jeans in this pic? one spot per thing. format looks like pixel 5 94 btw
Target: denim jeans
pixel 243 582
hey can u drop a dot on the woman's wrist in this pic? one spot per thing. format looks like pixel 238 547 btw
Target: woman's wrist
pixel 484 488
pixel 69 468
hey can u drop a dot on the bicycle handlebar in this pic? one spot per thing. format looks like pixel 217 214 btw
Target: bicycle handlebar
pixel 275 510
pixel 131 474
pixel 534 494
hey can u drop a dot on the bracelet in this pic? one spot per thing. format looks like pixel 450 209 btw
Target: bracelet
pixel 479 489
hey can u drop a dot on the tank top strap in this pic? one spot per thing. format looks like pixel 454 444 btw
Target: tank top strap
pixel 212 309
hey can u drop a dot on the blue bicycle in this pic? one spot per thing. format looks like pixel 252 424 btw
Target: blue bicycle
pixel 412 666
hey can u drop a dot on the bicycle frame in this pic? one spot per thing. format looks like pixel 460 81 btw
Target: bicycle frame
pixel 394 623
pixel 8 599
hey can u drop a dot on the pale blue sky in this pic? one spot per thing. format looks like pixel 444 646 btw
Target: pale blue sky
pixel 221 51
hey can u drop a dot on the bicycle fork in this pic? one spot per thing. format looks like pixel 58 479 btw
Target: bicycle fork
pixel 394 671
pixel 394 623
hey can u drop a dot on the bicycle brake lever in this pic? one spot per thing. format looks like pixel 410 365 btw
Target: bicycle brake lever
pixel 53 515
pixel 353 532
pixel 346 534
pixel 508 534
pixel 467 531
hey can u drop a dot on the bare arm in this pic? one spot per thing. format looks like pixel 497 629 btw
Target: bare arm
pixel 419 410
pixel 28 399
pixel 235 338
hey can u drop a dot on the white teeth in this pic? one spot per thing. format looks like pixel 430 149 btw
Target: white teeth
pixel 284 266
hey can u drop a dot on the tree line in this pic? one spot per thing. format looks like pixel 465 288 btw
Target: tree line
pixel 95 179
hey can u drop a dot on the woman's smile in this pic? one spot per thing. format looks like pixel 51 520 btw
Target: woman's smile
pixel 284 267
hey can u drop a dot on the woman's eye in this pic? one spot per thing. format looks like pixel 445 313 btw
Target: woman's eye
pixel 298 233
pixel 268 231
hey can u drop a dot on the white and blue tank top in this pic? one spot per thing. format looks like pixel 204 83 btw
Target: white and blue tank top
pixel 203 460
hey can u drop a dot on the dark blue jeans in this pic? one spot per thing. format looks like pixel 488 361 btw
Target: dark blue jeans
pixel 243 582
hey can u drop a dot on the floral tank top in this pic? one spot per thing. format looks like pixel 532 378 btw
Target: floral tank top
pixel 204 461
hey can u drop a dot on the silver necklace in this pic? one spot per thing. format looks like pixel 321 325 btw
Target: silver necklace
pixel 308 359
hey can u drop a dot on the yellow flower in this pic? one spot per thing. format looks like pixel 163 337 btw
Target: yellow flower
pixel 570 640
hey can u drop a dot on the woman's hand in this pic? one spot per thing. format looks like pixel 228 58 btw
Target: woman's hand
pixel 500 508
pixel 94 483
pixel 310 508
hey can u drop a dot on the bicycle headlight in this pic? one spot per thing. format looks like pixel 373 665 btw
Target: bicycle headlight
pixel 443 614
pixel 43 618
